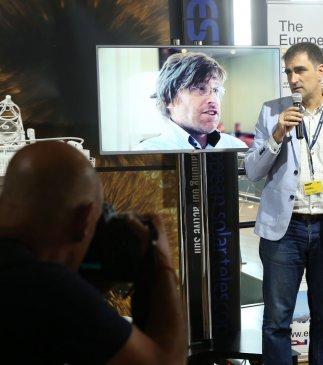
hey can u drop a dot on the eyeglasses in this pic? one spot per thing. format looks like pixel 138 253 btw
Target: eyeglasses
pixel 204 90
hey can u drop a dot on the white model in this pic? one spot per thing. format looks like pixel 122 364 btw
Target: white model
pixel 13 136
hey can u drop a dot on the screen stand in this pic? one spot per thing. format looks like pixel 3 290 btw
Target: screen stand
pixel 210 258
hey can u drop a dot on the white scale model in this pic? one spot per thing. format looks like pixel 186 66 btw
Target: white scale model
pixel 13 136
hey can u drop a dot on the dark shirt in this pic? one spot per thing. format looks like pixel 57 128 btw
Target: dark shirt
pixel 212 139
pixel 50 315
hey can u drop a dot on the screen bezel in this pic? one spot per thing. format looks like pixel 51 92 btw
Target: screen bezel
pixel 191 47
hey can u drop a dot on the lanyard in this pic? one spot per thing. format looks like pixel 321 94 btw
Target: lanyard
pixel 314 140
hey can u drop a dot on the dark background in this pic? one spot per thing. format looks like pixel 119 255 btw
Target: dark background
pixel 48 53
pixel 48 57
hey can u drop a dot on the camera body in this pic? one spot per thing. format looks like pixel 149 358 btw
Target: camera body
pixel 115 253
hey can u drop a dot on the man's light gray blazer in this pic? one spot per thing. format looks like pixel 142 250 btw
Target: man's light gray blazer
pixel 278 196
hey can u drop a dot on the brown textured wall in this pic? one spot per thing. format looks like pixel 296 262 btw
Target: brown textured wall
pixel 48 65
pixel 48 56
pixel 142 183
pixel 143 191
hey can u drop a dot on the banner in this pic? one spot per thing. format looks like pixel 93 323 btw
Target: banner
pixel 193 233
pixel 210 244
pixel 291 22
pixel 224 248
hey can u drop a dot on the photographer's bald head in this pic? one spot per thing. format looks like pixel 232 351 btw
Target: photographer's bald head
pixel 51 201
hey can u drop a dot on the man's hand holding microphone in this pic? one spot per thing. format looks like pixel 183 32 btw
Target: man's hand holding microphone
pixel 290 118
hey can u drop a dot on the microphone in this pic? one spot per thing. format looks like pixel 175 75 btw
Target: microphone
pixel 297 101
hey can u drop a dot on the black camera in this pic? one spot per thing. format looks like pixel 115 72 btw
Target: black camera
pixel 115 253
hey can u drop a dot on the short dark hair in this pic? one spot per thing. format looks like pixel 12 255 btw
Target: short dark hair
pixel 182 71
pixel 314 52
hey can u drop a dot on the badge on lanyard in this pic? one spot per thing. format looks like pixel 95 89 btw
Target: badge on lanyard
pixel 313 187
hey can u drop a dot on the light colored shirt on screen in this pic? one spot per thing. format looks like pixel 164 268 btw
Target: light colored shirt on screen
pixel 174 137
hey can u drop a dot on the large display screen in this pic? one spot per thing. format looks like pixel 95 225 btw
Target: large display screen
pixel 127 79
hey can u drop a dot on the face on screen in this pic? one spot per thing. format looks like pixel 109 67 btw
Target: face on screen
pixel 197 109
pixel 128 77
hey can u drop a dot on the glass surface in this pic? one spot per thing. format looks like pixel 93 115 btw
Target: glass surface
pixel 251 267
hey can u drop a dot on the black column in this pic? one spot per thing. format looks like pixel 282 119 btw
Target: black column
pixel 259 22
pixel 175 19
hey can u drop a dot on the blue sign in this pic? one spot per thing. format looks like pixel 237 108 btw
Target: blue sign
pixel 201 21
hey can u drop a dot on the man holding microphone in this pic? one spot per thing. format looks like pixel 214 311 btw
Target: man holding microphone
pixel 290 216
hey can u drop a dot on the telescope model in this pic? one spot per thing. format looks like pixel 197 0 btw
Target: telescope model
pixel 13 136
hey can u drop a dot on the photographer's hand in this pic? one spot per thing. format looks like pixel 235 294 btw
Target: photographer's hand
pixel 144 232
pixel 139 229
pixel 164 339
pixel 163 252
pixel 166 320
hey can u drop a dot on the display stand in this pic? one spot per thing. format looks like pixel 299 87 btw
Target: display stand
pixel 210 258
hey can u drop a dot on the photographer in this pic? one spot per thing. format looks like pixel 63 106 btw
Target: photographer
pixel 49 208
